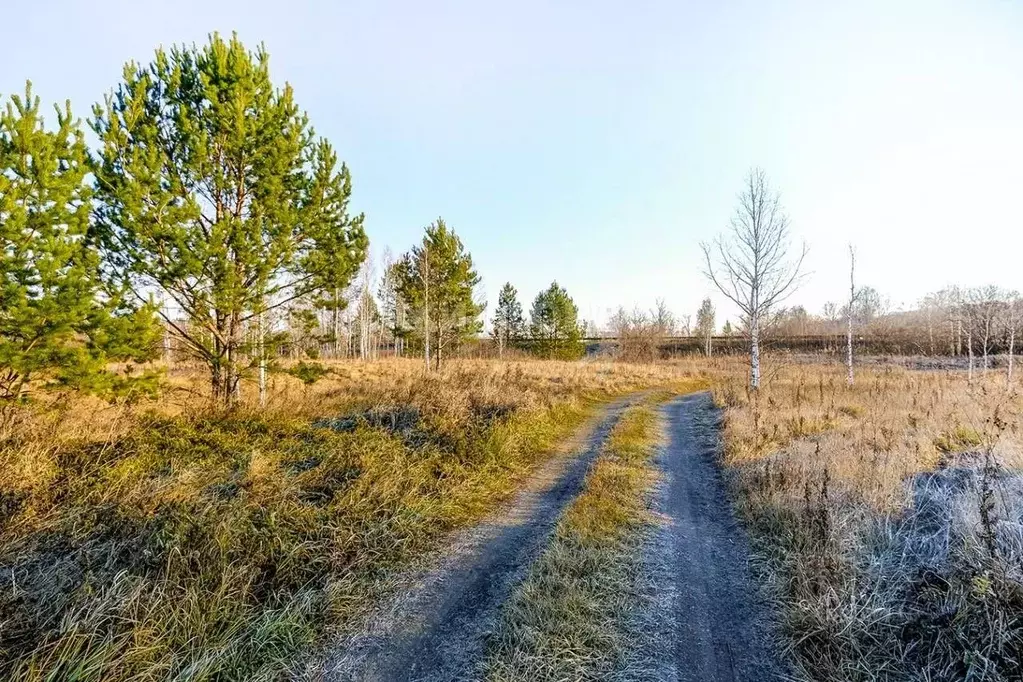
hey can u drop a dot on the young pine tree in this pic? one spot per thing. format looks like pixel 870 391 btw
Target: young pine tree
pixel 58 327
pixel 508 321
pixel 337 252
pixel 213 191
pixel 437 281
pixel 554 324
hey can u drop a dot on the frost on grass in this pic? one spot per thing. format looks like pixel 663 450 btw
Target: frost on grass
pixel 930 592
pixel 951 572
pixel 890 539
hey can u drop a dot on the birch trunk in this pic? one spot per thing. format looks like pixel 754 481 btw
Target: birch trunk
pixel 930 332
pixel 337 323
pixel 262 362
pixel 969 351
pixel 1012 352
pixel 754 354
pixel 852 301
pixel 426 307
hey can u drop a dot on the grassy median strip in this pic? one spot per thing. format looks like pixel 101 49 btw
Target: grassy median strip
pixel 568 620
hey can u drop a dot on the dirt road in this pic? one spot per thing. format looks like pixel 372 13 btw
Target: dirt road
pixel 435 629
pixel 702 620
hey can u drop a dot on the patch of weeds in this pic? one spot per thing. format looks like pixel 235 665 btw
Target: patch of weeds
pixel 308 372
pixel 958 439
pixel 401 420
pixel 803 427
pixel 854 411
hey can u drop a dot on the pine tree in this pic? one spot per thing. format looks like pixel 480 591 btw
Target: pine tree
pixel 554 324
pixel 437 281
pixel 214 192
pixel 508 322
pixel 338 253
pixel 303 327
pixel 58 326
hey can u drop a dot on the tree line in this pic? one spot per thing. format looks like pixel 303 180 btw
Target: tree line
pixel 954 322
pixel 210 221
pixel 754 265
pixel 553 331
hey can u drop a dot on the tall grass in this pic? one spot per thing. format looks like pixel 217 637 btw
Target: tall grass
pixel 173 541
pixel 887 518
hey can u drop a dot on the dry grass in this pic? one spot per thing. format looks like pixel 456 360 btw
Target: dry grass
pixel 569 619
pixel 887 518
pixel 172 541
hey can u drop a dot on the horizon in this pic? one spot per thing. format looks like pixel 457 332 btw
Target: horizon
pixel 620 139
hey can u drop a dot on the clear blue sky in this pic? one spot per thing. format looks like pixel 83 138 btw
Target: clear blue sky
pixel 599 142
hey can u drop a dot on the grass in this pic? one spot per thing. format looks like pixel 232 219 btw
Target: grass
pixel 889 532
pixel 169 540
pixel 172 541
pixel 569 618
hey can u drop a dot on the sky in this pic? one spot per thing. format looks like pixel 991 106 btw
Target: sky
pixel 598 143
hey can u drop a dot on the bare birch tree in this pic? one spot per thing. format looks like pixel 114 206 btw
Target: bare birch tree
pixel 705 324
pixel 1011 319
pixel 953 298
pixel 986 305
pixel 849 315
pixel 750 264
pixel 261 351
pixel 664 324
pixel 685 325
pixel 367 310
pixel 423 272
pixel 965 316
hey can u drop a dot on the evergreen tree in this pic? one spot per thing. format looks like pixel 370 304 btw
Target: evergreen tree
pixel 213 190
pixel 508 321
pixel 554 324
pixel 338 253
pixel 303 327
pixel 437 281
pixel 705 324
pixel 57 325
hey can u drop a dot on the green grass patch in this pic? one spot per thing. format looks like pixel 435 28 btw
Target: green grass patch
pixel 958 439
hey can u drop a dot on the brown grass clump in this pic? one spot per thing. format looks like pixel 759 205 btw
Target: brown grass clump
pixel 887 518
pixel 169 540
pixel 569 618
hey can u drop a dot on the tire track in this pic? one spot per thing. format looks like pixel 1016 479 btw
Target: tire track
pixel 706 622
pixel 435 629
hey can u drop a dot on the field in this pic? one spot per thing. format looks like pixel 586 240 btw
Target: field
pixel 887 518
pixel 171 539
